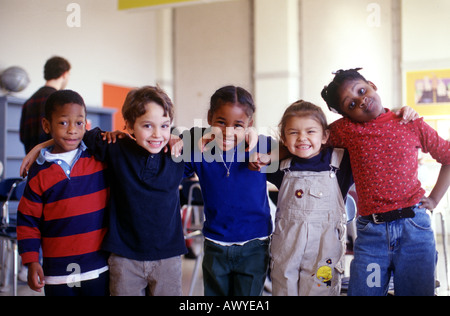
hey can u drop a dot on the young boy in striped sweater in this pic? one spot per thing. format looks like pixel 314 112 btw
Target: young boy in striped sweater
pixel 63 208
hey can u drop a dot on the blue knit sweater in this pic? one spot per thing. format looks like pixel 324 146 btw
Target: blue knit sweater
pixel 236 207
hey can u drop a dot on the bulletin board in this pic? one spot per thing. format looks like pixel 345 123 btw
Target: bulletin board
pixel 428 91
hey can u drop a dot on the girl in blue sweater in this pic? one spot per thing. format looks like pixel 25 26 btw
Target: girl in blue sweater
pixel 238 223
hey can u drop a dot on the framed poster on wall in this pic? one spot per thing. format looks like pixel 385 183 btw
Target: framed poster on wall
pixel 428 91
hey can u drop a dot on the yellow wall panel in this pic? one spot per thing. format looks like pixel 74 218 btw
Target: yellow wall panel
pixel 133 4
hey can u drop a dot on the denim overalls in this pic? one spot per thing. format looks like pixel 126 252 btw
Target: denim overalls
pixel 308 244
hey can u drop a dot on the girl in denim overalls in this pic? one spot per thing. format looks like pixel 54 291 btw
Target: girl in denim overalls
pixel 308 244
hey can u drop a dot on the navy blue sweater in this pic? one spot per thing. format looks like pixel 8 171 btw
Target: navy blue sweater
pixel 145 221
pixel 319 163
pixel 236 207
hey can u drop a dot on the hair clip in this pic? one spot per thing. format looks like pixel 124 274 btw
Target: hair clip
pixel 338 72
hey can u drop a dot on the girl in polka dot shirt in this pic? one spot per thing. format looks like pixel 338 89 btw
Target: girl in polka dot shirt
pixel 394 228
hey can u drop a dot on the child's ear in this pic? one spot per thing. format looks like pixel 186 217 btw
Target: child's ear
pixel 210 115
pixel 326 135
pixel 129 128
pixel 282 138
pixel 46 125
pixel 373 85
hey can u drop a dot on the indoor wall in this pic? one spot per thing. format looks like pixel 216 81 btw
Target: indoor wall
pixel 280 50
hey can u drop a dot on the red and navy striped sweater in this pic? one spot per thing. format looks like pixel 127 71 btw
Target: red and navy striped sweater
pixel 65 215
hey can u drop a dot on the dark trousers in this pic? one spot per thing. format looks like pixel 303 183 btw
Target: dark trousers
pixel 235 270
pixel 94 287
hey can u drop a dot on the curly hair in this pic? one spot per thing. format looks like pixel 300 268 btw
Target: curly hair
pixel 61 98
pixel 331 92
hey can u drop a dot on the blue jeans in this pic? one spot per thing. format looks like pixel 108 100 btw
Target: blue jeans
pixel 404 248
pixel 235 270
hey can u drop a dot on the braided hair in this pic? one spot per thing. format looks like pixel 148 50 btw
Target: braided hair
pixel 331 92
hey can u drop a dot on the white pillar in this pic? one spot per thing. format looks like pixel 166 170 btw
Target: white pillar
pixel 397 53
pixel 164 51
pixel 276 60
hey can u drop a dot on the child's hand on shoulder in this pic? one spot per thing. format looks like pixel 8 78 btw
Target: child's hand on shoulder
pixel 407 114
pixel 175 146
pixel 251 138
pixel 205 140
pixel 112 137
pixel 258 161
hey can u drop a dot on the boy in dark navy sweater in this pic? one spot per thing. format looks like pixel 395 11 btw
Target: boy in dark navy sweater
pixel 145 233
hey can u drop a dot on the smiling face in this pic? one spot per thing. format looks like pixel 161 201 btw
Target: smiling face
pixel 151 130
pixel 304 136
pixel 67 127
pixel 229 124
pixel 360 101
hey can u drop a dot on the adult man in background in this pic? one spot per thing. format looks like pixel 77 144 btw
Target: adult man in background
pixel 56 74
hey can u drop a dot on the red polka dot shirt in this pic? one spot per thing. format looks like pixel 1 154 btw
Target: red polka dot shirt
pixel 384 159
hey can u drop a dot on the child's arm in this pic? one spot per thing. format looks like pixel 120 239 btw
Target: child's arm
pixel 439 189
pixel 439 149
pixel 31 157
pixel 35 277
pixel 175 145
pixel 29 215
pixel 258 160
pixel 112 137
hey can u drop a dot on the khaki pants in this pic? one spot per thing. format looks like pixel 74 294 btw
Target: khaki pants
pixel 139 278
